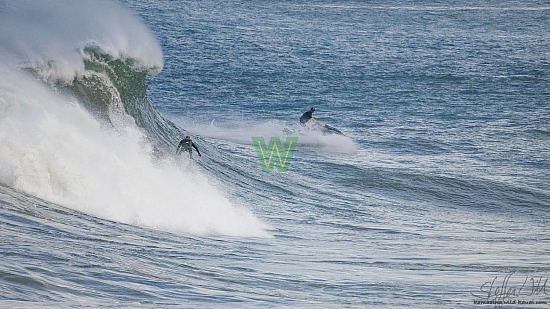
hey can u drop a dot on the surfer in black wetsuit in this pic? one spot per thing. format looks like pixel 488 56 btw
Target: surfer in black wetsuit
pixel 307 116
pixel 187 145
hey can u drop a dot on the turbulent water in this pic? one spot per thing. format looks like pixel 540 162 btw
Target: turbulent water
pixel 437 195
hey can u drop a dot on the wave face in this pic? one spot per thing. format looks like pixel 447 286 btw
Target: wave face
pixel 95 50
pixel 77 127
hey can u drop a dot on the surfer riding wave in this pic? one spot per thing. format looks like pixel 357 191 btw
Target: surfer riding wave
pixel 307 116
pixel 307 120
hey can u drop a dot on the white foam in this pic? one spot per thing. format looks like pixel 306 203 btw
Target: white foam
pixel 50 35
pixel 242 131
pixel 52 148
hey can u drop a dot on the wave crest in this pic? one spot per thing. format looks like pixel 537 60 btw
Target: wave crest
pixel 51 36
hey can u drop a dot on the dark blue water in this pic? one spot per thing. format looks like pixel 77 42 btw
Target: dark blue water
pixel 438 188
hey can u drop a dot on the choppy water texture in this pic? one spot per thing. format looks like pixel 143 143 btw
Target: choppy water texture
pixel 438 195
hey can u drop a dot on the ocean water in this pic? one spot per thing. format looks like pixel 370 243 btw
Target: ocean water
pixel 437 196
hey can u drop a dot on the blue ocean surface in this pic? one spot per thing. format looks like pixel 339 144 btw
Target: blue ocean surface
pixel 436 195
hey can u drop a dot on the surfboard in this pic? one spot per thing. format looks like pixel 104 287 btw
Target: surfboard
pixel 330 130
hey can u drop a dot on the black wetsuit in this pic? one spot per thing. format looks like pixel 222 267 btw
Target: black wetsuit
pixel 186 145
pixel 306 116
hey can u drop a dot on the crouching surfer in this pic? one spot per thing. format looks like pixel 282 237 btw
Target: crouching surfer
pixel 187 144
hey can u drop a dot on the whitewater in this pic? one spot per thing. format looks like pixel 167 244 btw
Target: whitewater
pixel 436 195
pixel 54 149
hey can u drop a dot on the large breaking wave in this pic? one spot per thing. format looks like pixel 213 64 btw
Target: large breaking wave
pixel 77 127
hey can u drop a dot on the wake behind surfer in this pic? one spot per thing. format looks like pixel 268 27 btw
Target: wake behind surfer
pixel 307 116
pixel 187 144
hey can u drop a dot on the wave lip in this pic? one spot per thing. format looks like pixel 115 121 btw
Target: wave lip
pixel 50 36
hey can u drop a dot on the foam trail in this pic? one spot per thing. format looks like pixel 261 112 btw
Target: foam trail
pixel 241 132
pixel 52 148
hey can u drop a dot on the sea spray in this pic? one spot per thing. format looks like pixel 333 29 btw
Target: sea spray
pixel 52 148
